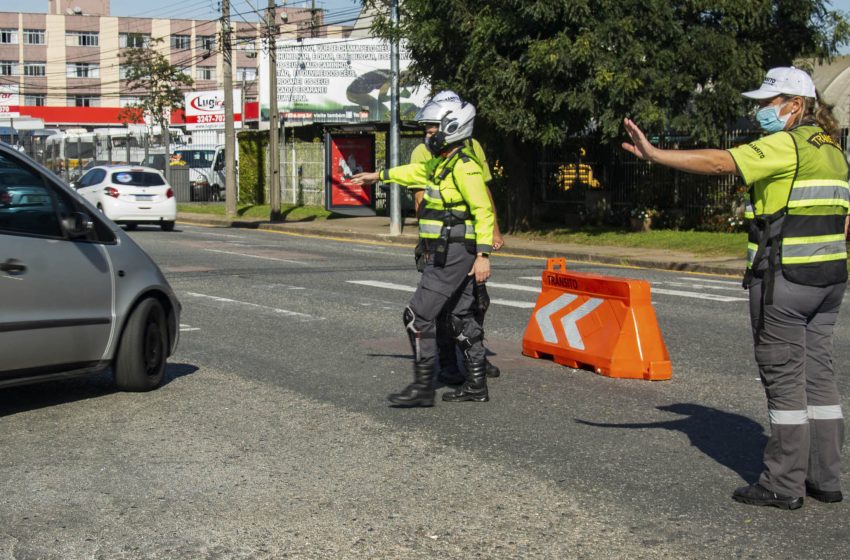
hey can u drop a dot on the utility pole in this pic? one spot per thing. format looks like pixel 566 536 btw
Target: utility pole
pixel 395 190
pixel 274 117
pixel 313 31
pixel 229 128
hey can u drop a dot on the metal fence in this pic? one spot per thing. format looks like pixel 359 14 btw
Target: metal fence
pixel 302 172
pixel 585 183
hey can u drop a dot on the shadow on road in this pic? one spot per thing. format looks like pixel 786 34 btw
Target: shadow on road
pixel 734 441
pixel 53 393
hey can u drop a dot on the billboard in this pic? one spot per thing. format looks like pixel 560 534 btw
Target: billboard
pixel 345 156
pixel 204 110
pixel 338 81
pixel 9 102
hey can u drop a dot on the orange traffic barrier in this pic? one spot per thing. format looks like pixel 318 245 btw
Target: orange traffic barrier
pixel 603 322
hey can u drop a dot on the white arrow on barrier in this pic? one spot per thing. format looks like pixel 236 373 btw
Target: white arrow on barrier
pixel 568 321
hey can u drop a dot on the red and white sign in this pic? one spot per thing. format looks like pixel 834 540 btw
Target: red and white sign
pixel 205 109
pixel 9 102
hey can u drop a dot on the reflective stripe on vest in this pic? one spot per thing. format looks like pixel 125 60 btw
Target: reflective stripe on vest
pixel 751 253
pixel 819 193
pixel 430 229
pixel 819 248
pixel 749 212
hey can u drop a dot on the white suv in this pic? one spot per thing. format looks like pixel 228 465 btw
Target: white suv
pixel 130 195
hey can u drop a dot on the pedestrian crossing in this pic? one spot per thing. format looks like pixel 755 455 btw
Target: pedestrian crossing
pixel 511 294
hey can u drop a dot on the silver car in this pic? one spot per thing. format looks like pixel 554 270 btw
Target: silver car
pixel 77 295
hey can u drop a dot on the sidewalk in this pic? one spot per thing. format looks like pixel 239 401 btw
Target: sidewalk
pixel 377 228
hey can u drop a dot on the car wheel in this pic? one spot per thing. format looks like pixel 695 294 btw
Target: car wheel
pixel 167 226
pixel 140 362
pixel 131 227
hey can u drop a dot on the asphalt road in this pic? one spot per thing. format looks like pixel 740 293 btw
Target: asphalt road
pixel 272 437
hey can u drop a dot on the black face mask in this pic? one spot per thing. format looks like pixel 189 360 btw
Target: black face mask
pixel 436 143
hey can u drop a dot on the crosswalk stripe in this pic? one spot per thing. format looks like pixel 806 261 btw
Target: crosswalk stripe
pixel 513 287
pixel 701 286
pixel 707 281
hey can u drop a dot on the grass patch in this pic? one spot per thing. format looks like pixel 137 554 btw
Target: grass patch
pixel 696 242
pixel 290 212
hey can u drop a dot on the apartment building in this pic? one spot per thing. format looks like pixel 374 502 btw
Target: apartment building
pixel 71 56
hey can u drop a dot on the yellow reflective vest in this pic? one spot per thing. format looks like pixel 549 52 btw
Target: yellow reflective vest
pixel 455 197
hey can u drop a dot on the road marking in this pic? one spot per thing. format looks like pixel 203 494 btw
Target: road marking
pixel 705 280
pixel 513 287
pixel 187 328
pixel 697 295
pixel 277 310
pixel 385 285
pixel 405 288
pixel 700 286
pixel 254 256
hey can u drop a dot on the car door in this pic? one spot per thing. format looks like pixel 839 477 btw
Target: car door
pixel 90 187
pixel 56 294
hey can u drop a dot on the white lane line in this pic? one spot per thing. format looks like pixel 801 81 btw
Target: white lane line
pixel 513 287
pixel 707 281
pixel 254 256
pixel 187 328
pixel 697 295
pixel 698 286
pixel 404 288
pixel 385 285
pixel 277 310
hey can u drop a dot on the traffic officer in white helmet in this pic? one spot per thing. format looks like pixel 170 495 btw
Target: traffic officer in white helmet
pixel 456 223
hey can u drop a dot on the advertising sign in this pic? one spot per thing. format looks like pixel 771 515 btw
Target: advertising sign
pixel 328 80
pixel 9 102
pixel 345 156
pixel 205 109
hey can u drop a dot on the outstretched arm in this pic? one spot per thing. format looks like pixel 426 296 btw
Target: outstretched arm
pixel 703 162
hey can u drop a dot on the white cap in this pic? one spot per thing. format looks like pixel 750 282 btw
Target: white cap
pixel 784 81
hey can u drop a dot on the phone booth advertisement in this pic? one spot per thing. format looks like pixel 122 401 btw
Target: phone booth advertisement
pixel 346 156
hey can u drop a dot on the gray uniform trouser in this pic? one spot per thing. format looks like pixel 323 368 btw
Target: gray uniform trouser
pixel 440 287
pixel 793 349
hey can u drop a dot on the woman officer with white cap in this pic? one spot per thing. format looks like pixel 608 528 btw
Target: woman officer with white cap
pixel 796 274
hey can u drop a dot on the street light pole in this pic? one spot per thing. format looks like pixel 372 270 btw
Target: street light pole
pixel 274 117
pixel 395 190
pixel 229 129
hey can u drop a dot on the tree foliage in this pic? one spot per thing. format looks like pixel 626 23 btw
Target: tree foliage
pixel 547 69
pixel 161 83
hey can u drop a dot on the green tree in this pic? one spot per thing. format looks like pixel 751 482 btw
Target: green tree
pixel 161 84
pixel 540 71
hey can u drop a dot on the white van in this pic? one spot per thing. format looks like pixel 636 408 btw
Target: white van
pixel 206 170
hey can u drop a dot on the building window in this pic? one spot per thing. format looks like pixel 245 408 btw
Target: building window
pixel 35 99
pixel 84 100
pixel 34 69
pixel 34 37
pixel 81 39
pixel 83 70
pixel 206 73
pixel 134 40
pixel 8 68
pixel 205 42
pixel 186 70
pixel 247 74
pixel 181 42
pixel 8 36
pixel 129 101
pixel 123 71
pixel 246 45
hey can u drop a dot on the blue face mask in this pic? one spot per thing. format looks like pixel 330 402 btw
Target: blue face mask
pixel 769 119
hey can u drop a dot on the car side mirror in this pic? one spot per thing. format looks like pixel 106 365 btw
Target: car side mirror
pixel 77 225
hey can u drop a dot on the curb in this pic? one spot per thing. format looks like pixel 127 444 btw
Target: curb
pixel 410 240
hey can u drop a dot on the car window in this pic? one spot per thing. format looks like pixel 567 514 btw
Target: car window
pixel 86 179
pixel 97 176
pixel 138 179
pixel 27 204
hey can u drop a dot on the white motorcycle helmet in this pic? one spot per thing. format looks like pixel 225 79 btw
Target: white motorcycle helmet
pixel 453 116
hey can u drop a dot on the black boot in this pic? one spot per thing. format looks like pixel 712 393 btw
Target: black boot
pixel 450 374
pixel 475 388
pixel 492 371
pixel 421 391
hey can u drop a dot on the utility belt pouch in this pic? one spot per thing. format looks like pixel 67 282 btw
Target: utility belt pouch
pixel 440 247
pixel 420 253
